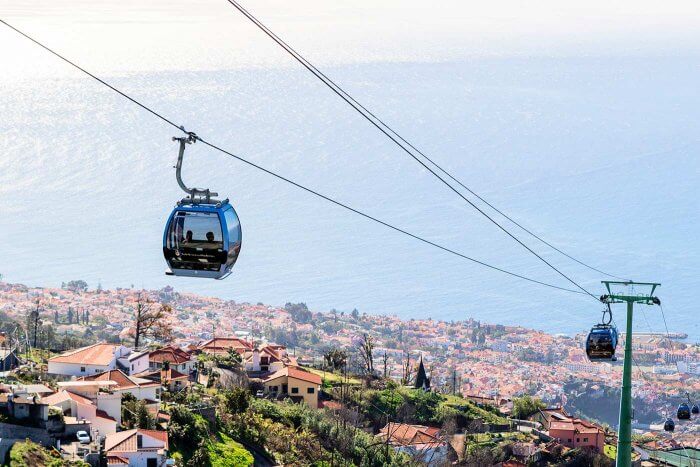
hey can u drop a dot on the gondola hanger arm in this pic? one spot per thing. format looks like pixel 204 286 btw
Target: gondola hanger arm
pixel 196 195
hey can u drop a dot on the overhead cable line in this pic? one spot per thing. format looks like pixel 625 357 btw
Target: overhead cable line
pixel 391 134
pixel 329 82
pixel 285 179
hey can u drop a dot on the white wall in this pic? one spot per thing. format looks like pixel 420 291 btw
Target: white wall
pixel 72 369
pixel 112 404
pixel 138 365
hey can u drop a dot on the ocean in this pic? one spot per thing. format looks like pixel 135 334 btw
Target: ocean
pixel 596 154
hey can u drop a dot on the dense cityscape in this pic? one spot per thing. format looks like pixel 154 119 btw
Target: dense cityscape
pixel 485 363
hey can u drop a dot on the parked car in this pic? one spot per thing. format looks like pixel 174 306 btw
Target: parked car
pixel 260 393
pixel 83 437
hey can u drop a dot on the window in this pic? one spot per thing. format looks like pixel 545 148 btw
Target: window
pixel 196 230
pixel 82 369
pixel 97 370
pixel 157 393
pixel 569 439
pixel 132 367
pixel 309 390
pixel 273 388
pixel 578 440
pixel 585 440
pixel 295 390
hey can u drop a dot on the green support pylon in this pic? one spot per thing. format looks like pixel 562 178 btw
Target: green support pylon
pixel 624 433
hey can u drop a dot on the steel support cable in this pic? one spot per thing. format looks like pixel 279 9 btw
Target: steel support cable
pixel 285 179
pixel 336 87
pixel 345 96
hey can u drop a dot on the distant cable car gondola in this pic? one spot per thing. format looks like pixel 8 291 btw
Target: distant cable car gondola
pixel 203 235
pixel 695 410
pixel 669 425
pixel 683 412
pixel 602 340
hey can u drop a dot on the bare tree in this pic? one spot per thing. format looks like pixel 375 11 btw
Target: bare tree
pixel 366 346
pixel 151 320
pixel 385 361
pixel 407 370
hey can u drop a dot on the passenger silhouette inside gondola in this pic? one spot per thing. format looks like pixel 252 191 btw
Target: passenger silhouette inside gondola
pixel 188 237
pixel 210 237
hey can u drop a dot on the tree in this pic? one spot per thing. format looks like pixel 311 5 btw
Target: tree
pixel 151 321
pixel 86 317
pixel 33 323
pixel 55 317
pixel 407 370
pixel 335 358
pixel 385 361
pixel 525 406
pixel 69 316
pixel 77 286
pixel 366 346
pixel 355 314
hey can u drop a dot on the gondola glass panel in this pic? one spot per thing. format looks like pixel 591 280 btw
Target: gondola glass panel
pixel 195 244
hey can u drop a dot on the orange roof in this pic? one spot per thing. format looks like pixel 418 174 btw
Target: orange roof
pixel 64 396
pixel 169 354
pixel 126 441
pixel 225 343
pixel 575 425
pixel 123 380
pixel 117 460
pixel 411 435
pixel 295 373
pixel 96 354
pixel 171 375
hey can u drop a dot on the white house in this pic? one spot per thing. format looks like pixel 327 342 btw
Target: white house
pixel 135 362
pixel 137 448
pixel 141 388
pixel 90 360
pixel 100 393
pixel 82 408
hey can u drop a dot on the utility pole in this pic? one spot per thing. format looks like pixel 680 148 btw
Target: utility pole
pixel 629 296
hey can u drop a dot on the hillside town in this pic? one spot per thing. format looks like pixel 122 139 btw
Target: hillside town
pixel 152 378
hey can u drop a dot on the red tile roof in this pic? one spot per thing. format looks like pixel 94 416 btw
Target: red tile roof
pixel 295 373
pixel 411 435
pixel 96 354
pixel 123 381
pixel 126 441
pixel 169 354
pixel 222 344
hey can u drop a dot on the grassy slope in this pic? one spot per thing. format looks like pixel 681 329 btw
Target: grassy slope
pixel 229 453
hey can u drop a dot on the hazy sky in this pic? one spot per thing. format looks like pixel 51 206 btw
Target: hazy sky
pixel 130 35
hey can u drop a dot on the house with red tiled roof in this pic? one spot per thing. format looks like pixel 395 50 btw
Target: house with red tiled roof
pixel 141 388
pixel 420 442
pixel 575 433
pixel 268 358
pixel 90 360
pixel 221 346
pixel 137 448
pixel 81 408
pixel 177 359
pixel 295 383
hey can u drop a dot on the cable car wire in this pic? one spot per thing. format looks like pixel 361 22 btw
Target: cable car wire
pixel 288 180
pixel 384 128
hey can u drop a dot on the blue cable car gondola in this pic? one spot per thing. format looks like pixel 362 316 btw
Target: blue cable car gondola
pixel 669 425
pixel 683 412
pixel 203 236
pixel 602 340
